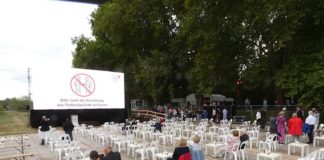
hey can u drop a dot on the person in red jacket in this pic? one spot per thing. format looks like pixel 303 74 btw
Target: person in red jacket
pixel 295 125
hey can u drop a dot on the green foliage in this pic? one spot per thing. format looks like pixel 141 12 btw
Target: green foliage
pixel 15 103
pixel 304 77
pixel 170 48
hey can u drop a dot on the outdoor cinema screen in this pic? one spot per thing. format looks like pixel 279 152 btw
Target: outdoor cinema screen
pixel 77 89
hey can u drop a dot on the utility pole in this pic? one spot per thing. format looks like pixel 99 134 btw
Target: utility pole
pixel 29 83
pixel 29 93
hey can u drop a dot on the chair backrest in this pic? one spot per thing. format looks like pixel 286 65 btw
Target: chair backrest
pixel 311 156
pixel 243 145
pixel 75 156
pixel 65 137
pixel 154 144
pixel 275 137
pixel 320 154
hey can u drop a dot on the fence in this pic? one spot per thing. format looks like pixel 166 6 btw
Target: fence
pixel 147 114
pixel 20 139
pixel 249 111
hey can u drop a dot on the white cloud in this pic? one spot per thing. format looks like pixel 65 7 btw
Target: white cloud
pixel 37 33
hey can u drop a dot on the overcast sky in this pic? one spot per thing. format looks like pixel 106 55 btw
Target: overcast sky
pixel 37 33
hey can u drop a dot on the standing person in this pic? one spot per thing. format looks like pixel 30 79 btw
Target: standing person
pixel 265 104
pixel 258 117
pixel 214 114
pixel 68 128
pixel 182 114
pixel 44 124
pixel 247 103
pixel 224 114
pixel 300 113
pixel 310 121
pixel 158 125
pixel 273 124
pixel 218 114
pixel 295 125
pixel 281 127
pixel 204 114
pixel 263 118
pixel 316 114
pixel 175 112
pixel 284 110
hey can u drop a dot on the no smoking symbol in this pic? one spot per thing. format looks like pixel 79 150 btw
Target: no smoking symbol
pixel 82 85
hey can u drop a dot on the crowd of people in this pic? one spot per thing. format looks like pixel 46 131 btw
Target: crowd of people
pixel 296 126
pixel 280 124
pixel 218 113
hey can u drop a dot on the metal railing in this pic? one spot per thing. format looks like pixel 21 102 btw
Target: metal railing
pixel 19 138
pixel 147 114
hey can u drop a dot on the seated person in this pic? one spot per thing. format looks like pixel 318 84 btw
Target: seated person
pixel 244 137
pixel 230 144
pixel 181 151
pixel 94 155
pixel 233 141
pixel 108 154
pixel 196 149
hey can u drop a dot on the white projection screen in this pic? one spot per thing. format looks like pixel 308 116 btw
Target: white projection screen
pixel 54 89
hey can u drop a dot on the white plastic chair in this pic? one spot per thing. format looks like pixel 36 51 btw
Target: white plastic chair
pixel 154 147
pixel 75 156
pixel 241 150
pixel 253 137
pixel 234 151
pixel 142 152
pixel 271 142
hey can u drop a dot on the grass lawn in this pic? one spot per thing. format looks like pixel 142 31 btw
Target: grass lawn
pixel 14 121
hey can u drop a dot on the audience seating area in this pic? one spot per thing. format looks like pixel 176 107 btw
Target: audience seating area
pixel 141 142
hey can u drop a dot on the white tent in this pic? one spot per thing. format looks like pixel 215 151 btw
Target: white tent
pixel 191 98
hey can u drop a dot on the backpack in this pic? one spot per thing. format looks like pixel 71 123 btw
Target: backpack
pixel 185 156
pixel 116 156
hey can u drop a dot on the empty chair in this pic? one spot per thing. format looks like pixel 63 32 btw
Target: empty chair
pixel 320 154
pixel 141 151
pixel 271 143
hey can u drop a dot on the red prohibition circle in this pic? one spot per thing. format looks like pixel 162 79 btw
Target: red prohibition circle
pixel 82 86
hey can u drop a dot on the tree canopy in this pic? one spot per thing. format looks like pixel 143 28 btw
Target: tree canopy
pixel 170 48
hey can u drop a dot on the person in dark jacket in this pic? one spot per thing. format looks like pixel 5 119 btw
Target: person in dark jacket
pixel 68 128
pixel 158 125
pixel 263 118
pixel 273 124
pixel 182 149
pixel 44 124
pixel 108 154
pixel 243 137
pixel 300 113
